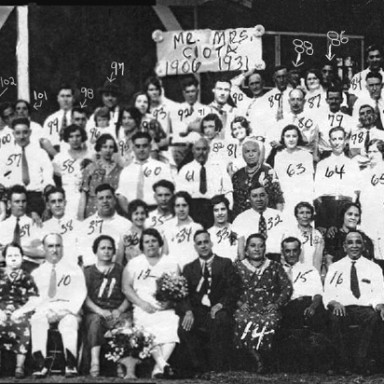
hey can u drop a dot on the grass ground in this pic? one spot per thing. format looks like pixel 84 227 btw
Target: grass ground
pixel 224 378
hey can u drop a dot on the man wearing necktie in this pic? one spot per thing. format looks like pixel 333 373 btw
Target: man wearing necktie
pixel 207 313
pixel 354 295
pixel 62 291
pixel 203 179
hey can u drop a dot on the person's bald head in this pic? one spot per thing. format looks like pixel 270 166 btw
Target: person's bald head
pixel 53 247
pixel 296 100
pixel 200 150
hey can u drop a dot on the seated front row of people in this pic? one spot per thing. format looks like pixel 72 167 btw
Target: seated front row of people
pixel 257 294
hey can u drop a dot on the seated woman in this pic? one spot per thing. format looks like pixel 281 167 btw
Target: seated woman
pixel 312 242
pixel 16 286
pixel 139 286
pixel 103 170
pixel 266 288
pixel 105 306
pixel 334 239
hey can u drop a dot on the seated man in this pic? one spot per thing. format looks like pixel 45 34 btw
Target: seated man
pixel 62 291
pixel 305 307
pixel 208 310
pixel 354 294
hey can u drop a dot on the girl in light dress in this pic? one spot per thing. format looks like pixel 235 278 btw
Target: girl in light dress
pixel 294 168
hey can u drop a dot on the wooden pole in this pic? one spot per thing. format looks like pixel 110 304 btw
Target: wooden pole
pixel 22 53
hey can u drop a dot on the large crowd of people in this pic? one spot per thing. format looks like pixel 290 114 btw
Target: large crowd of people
pixel 268 201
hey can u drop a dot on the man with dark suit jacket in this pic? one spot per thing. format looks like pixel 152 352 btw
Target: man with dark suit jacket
pixel 206 322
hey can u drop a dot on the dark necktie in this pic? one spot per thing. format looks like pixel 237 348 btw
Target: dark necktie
pixel 203 180
pixel 63 125
pixel 52 282
pixel 263 226
pixel 24 168
pixel 354 281
pixel 367 140
pixel 16 232
pixel 379 123
pixel 206 275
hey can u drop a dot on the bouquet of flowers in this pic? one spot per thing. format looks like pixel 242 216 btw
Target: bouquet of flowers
pixel 128 341
pixel 171 287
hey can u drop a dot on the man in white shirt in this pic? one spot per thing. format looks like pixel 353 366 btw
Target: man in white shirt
pixel 354 294
pixel 305 306
pixel 296 115
pixel 333 117
pixel 137 179
pixel 55 124
pixel 62 291
pixel 106 221
pixel 375 61
pixel 259 219
pixel 273 105
pixel 364 132
pixel 26 164
pixel 374 84
pixel 337 180
pixel 20 229
pixel 221 92
pixel 252 80
pixel 203 180
pixel 61 223
pixel 163 193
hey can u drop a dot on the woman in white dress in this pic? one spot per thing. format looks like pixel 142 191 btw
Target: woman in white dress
pixel 223 238
pixel 294 169
pixel 315 97
pixel 372 197
pixel 178 232
pixel 69 165
pixel 139 286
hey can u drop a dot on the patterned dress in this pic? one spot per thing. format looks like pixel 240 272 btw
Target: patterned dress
pixel 269 284
pixel 15 290
pixel 241 183
pixel 94 175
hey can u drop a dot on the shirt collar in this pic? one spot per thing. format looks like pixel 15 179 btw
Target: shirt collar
pixel 208 261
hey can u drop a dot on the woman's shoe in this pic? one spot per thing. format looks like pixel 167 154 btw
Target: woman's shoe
pixel 169 372
pixel 95 370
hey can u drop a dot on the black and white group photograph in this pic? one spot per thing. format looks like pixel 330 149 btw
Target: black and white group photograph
pixel 192 191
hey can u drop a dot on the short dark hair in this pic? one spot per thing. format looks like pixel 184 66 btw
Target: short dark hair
pixel 374 75
pixel 65 86
pixel 217 199
pixel 354 231
pixel 104 187
pixel 152 80
pixel 254 236
pixel 52 190
pixel 183 194
pixel 279 68
pixel 304 204
pixel 300 141
pixel 344 210
pixel 243 122
pixel 5 105
pixel 134 204
pixel 334 89
pixel 373 47
pixel 165 184
pixel 141 135
pixel 15 245
pixel 99 239
pixel 290 239
pixel 103 139
pixel 136 95
pixel 187 82
pixel 133 111
pixel 212 117
pixel 199 232
pixel 73 128
pixel 28 105
pixel 222 80
pixel 335 129
pixel 21 121
pixel 255 185
pixel 78 109
pixel 150 232
pixel 16 189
